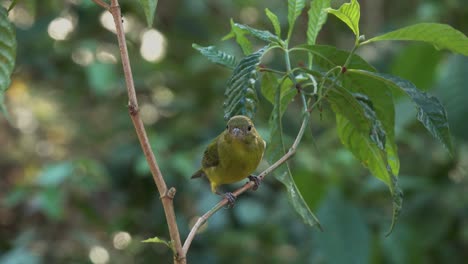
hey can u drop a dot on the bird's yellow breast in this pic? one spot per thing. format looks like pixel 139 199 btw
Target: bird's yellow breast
pixel 238 159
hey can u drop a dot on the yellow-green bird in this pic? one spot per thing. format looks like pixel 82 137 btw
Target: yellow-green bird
pixel 233 155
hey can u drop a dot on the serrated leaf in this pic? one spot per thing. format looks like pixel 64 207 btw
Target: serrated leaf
pixel 274 21
pixel 350 14
pixel 431 113
pixel 275 150
pixel 328 57
pixel 240 95
pixel 294 10
pixel 440 35
pixel 384 107
pixel 317 17
pixel 216 56
pixel 7 54
pixel 169 244
pixel 149 7
pixel 397 202
pixel 264 35
pixel 241 39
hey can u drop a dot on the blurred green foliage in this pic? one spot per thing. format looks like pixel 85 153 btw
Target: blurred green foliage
pixel 75 187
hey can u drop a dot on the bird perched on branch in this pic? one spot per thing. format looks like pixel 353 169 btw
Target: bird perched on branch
pixel 233 155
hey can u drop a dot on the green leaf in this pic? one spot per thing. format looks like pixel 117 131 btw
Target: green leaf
pixel 359 110
pixel 328 57
pixel 240 95
pixel 363 134
pixel 169 244
pixel 349 13
pixel 382 99
pixel 431 113
pixel 264 35
pixel 372 157
pixel 294 10
pixel 274 151
pixel 269 85
pixel 149 6
pixel 7 54
pixel 216 56
pixel 274 21
pixel 440 35
pixel 241 39
pixel 12 5
pixel 317 17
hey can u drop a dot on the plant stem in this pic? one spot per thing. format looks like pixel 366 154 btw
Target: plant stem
pixel 167 195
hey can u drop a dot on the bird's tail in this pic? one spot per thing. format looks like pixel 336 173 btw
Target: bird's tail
pixel 199 174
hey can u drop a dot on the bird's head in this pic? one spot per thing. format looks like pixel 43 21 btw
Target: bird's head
pixel 240 127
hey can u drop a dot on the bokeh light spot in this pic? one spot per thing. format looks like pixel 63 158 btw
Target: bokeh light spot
pixel 149 114
pixel 122 240
pixel 98 255
pixel 82 56
pixel 60 28
pixel 153 45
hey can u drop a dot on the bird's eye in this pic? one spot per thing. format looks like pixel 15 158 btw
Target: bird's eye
pixel 249 128
pixel 227 127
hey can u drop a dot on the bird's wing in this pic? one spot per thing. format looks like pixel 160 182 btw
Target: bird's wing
pixel 211 155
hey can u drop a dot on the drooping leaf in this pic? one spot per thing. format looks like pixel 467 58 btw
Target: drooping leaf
pixel 442 36
pixel 382 99
pixel 431 113
pixel 149 7
pixel 294 10
pixel 349 13
pixel 240 95
pixel 169 244
pixel 217 56
pixel 275 150
pixel 274 21
pixel 372 157
pixel 328 57
pixel 317 17
pixel 359 110
pixel 7 54
pixel 363 134
pixel 241 39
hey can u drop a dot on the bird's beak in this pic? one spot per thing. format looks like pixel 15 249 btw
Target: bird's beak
pixel 237 132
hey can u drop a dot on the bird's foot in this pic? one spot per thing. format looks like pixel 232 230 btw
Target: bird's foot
pixel 231 199
pixel 256 181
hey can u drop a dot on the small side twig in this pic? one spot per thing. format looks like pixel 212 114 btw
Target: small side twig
pixel 201 220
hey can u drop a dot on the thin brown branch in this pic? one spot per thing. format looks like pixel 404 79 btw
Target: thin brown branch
pixel 201 220
pixel 167 195
pixel 102 4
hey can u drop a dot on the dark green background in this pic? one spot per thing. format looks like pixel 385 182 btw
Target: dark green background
pixel 72 173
